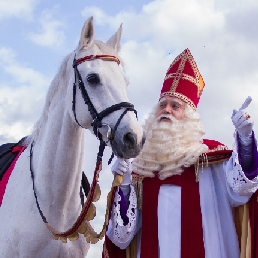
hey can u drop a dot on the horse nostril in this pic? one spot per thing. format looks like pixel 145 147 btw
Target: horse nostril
pixel 130 140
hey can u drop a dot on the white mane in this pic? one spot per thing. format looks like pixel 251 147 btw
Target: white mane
pixel 54 88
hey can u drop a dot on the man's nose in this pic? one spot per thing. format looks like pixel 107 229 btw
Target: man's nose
pixel 167 109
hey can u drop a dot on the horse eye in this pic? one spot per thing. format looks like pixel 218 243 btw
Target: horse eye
pixel 93 78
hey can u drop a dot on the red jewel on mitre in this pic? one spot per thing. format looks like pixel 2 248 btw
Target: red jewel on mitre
pixel 183 80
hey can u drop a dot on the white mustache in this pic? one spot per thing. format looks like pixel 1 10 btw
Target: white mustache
pixel 168 116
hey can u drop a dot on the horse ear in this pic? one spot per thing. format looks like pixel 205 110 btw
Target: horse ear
pixel 87 34
pixel 114 41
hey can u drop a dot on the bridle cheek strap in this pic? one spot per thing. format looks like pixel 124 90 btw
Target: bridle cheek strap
pixel 97 117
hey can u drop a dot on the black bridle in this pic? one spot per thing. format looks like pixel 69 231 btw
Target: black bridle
pixel 98 116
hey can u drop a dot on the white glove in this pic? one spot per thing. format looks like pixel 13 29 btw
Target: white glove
pixel 123 167
pixel 242 121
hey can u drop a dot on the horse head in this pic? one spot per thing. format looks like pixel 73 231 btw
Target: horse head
pixel 99 93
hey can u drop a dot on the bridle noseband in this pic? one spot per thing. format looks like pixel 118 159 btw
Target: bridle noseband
pixel 97 116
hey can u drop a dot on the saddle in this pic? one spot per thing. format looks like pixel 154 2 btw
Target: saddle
pixel 8 153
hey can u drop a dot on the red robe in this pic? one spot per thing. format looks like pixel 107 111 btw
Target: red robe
pixel 192 233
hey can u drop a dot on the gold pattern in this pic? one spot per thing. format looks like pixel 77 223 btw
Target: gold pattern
pixel 74 237
pixel 206 160
pixel 55 236
pixel 97 193
pixel 197 79
pixel 131 249
pixel 137 183
pixel 179 96
pixel 91 213
pixel 118 180
pixel 63 239
pixel 105 251
pixel 219 148
pixel 82 229
pixel 196 169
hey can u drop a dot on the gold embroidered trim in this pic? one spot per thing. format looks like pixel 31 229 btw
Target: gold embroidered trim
pixel 105 251
pixel 131 249
pixel 180 96
pixel 204 162
pixel 218 148
pixel 216 160
pixel 179 73
pixel 137 183
pixel 182 76
pixel 197 80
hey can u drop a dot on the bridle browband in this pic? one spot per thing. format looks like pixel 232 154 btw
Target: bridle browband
pixel 103 57
pixel 97 116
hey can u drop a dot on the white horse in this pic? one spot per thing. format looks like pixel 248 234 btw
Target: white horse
pixel 59 149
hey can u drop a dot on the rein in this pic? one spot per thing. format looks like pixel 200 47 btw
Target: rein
pixel 88 212
pixel 82 225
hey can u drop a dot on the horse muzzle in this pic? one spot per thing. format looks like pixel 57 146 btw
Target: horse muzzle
pixel 127 145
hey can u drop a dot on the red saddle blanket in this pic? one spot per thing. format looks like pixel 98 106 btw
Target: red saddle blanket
pixel 5 178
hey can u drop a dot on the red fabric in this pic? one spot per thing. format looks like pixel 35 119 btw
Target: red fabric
pixel 4 181
pixel 253 213
pixel 191 223
pixel 179 72
pixel 216 151
pixel 212 144
pixel 192 234
pixel 112 251
pixel 16 148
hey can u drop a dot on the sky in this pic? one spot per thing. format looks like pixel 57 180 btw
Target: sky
pixel 222 36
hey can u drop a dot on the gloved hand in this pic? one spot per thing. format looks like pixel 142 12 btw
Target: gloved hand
pixel 123 167
pixel 242 121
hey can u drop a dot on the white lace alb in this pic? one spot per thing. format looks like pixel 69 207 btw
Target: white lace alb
pixel 121 232
pixel 238 181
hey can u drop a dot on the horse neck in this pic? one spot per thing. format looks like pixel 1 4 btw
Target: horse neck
pixel 57 162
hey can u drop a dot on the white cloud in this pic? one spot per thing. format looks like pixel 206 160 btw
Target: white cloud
pixel 221 36
pixel 17 8
pixel 100 17
pixel 20 73
pixel 161 18
pixel 21 98
pixel 51 33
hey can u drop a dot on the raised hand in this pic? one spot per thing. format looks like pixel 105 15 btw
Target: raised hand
pixel 242 120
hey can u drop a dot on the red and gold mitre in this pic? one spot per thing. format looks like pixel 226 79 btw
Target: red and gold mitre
pixel 183 80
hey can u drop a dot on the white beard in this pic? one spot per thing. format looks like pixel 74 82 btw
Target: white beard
pixel 170 146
